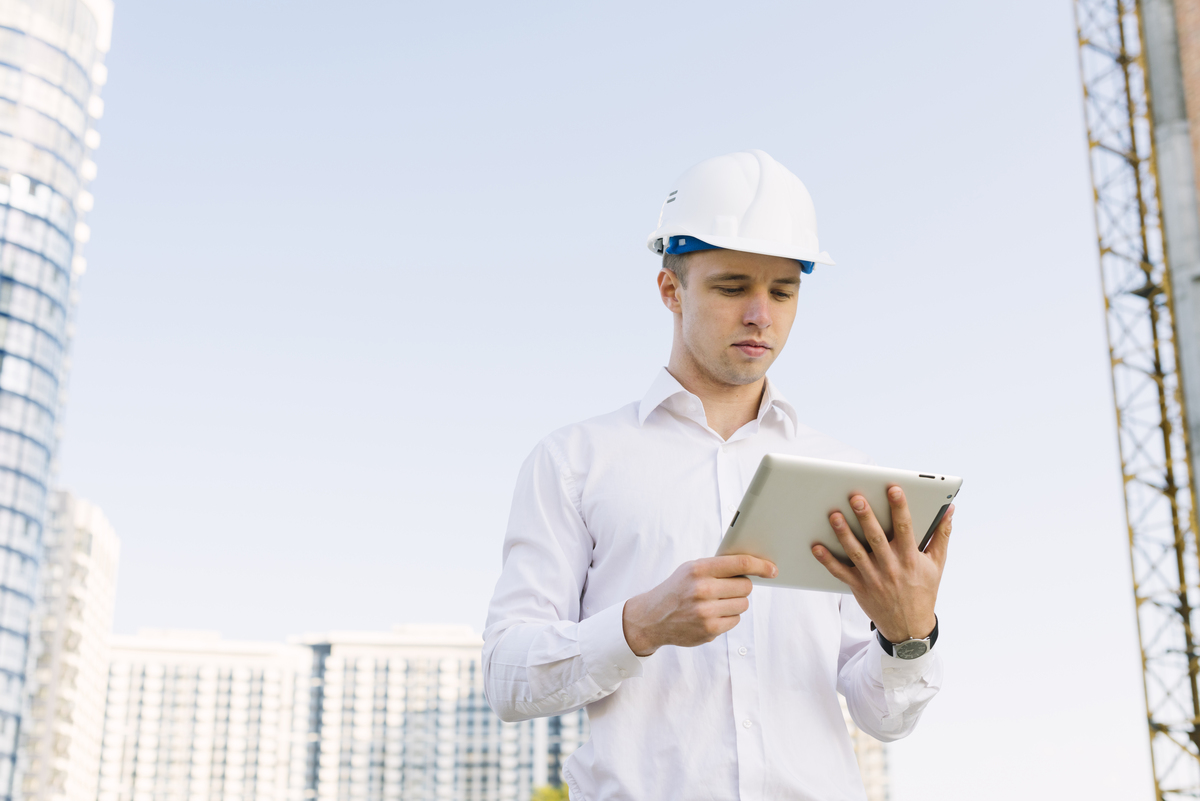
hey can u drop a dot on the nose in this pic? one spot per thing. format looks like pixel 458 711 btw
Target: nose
pixel 758 311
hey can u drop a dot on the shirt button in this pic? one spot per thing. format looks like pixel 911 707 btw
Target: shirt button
pixel 743 650
pixel 747 724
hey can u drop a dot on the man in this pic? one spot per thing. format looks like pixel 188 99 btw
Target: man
pixel 609 596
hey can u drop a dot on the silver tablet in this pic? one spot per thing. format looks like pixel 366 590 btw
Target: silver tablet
pixel 786 509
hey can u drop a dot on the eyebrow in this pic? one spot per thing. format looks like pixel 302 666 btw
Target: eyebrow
pixel 743 277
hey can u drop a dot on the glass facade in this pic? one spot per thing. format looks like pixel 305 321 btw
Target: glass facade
pixel 51 70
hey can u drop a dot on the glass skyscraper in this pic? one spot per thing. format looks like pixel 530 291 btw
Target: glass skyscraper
pixel 51 70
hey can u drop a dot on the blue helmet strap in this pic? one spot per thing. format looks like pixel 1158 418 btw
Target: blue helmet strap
pixel 690 244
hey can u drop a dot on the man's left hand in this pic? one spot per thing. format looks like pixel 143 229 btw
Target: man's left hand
pixel 895 584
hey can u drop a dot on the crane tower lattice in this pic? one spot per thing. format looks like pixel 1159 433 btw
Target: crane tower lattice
pixel 1152 430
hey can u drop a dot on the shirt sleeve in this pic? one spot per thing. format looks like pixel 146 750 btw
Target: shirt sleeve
pixel 539 658
pixel 885 695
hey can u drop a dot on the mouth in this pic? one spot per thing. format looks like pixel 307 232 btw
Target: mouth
pixel 752 348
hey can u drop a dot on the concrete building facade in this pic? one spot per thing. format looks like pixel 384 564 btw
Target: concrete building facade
pixel 348 715
pixel 61 738
pixel 345 716
pixel 191 716
pixel 403 716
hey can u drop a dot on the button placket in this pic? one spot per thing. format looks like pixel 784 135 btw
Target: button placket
pixel 727 481
pixel 739 642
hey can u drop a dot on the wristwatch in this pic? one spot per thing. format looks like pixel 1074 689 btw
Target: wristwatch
pixel 910 648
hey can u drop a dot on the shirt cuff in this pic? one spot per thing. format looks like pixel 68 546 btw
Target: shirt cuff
pixel 606 653
pixel 891 671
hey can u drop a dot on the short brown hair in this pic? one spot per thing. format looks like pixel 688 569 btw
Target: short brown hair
pixel 676 263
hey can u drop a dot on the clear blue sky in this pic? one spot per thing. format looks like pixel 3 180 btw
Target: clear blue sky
pixel 350 261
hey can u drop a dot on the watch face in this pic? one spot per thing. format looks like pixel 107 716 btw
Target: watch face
pixel 911 649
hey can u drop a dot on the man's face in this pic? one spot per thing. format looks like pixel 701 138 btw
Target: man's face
pixel 735 313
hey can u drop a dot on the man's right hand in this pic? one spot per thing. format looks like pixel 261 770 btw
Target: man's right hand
pixel 699 602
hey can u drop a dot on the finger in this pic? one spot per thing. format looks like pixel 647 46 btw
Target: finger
pixel 841 572
pixel 872 531
pixel 727 607
pixel 716 626
pixel 717 588
pixel 903 540
pixel 741 564
pixel 854 549
pixel 939 544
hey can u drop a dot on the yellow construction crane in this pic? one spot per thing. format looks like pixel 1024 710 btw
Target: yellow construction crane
pixel 1150 346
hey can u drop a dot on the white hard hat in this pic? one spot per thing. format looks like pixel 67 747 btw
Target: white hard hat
pixel 740 201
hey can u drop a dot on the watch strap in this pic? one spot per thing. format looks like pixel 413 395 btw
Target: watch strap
pixel 889 647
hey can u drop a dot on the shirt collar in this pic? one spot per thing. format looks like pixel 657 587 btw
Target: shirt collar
pixel 667 391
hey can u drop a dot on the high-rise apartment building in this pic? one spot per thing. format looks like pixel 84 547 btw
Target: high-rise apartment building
pixel 191 716
pixel 61 736
pixel 349 715
pixel 51 71
pixel 402 715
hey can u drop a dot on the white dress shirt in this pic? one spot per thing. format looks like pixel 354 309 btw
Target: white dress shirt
pixel 607 509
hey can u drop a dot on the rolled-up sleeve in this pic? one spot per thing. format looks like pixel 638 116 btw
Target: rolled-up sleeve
pixel 539 659
pixel 885 695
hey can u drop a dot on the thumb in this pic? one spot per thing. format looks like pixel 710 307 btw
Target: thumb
pixel 939 544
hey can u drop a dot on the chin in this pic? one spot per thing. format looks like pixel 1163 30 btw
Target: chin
pixel 740 375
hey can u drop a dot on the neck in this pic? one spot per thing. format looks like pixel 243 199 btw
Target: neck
pixel 727 407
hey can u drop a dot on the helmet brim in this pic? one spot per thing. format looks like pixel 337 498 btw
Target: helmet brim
pixel 764 247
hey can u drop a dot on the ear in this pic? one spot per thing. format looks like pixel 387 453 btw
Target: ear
pixel 670 290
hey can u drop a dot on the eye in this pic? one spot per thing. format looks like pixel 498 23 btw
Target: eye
pixel 729 290
pixel 781 295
